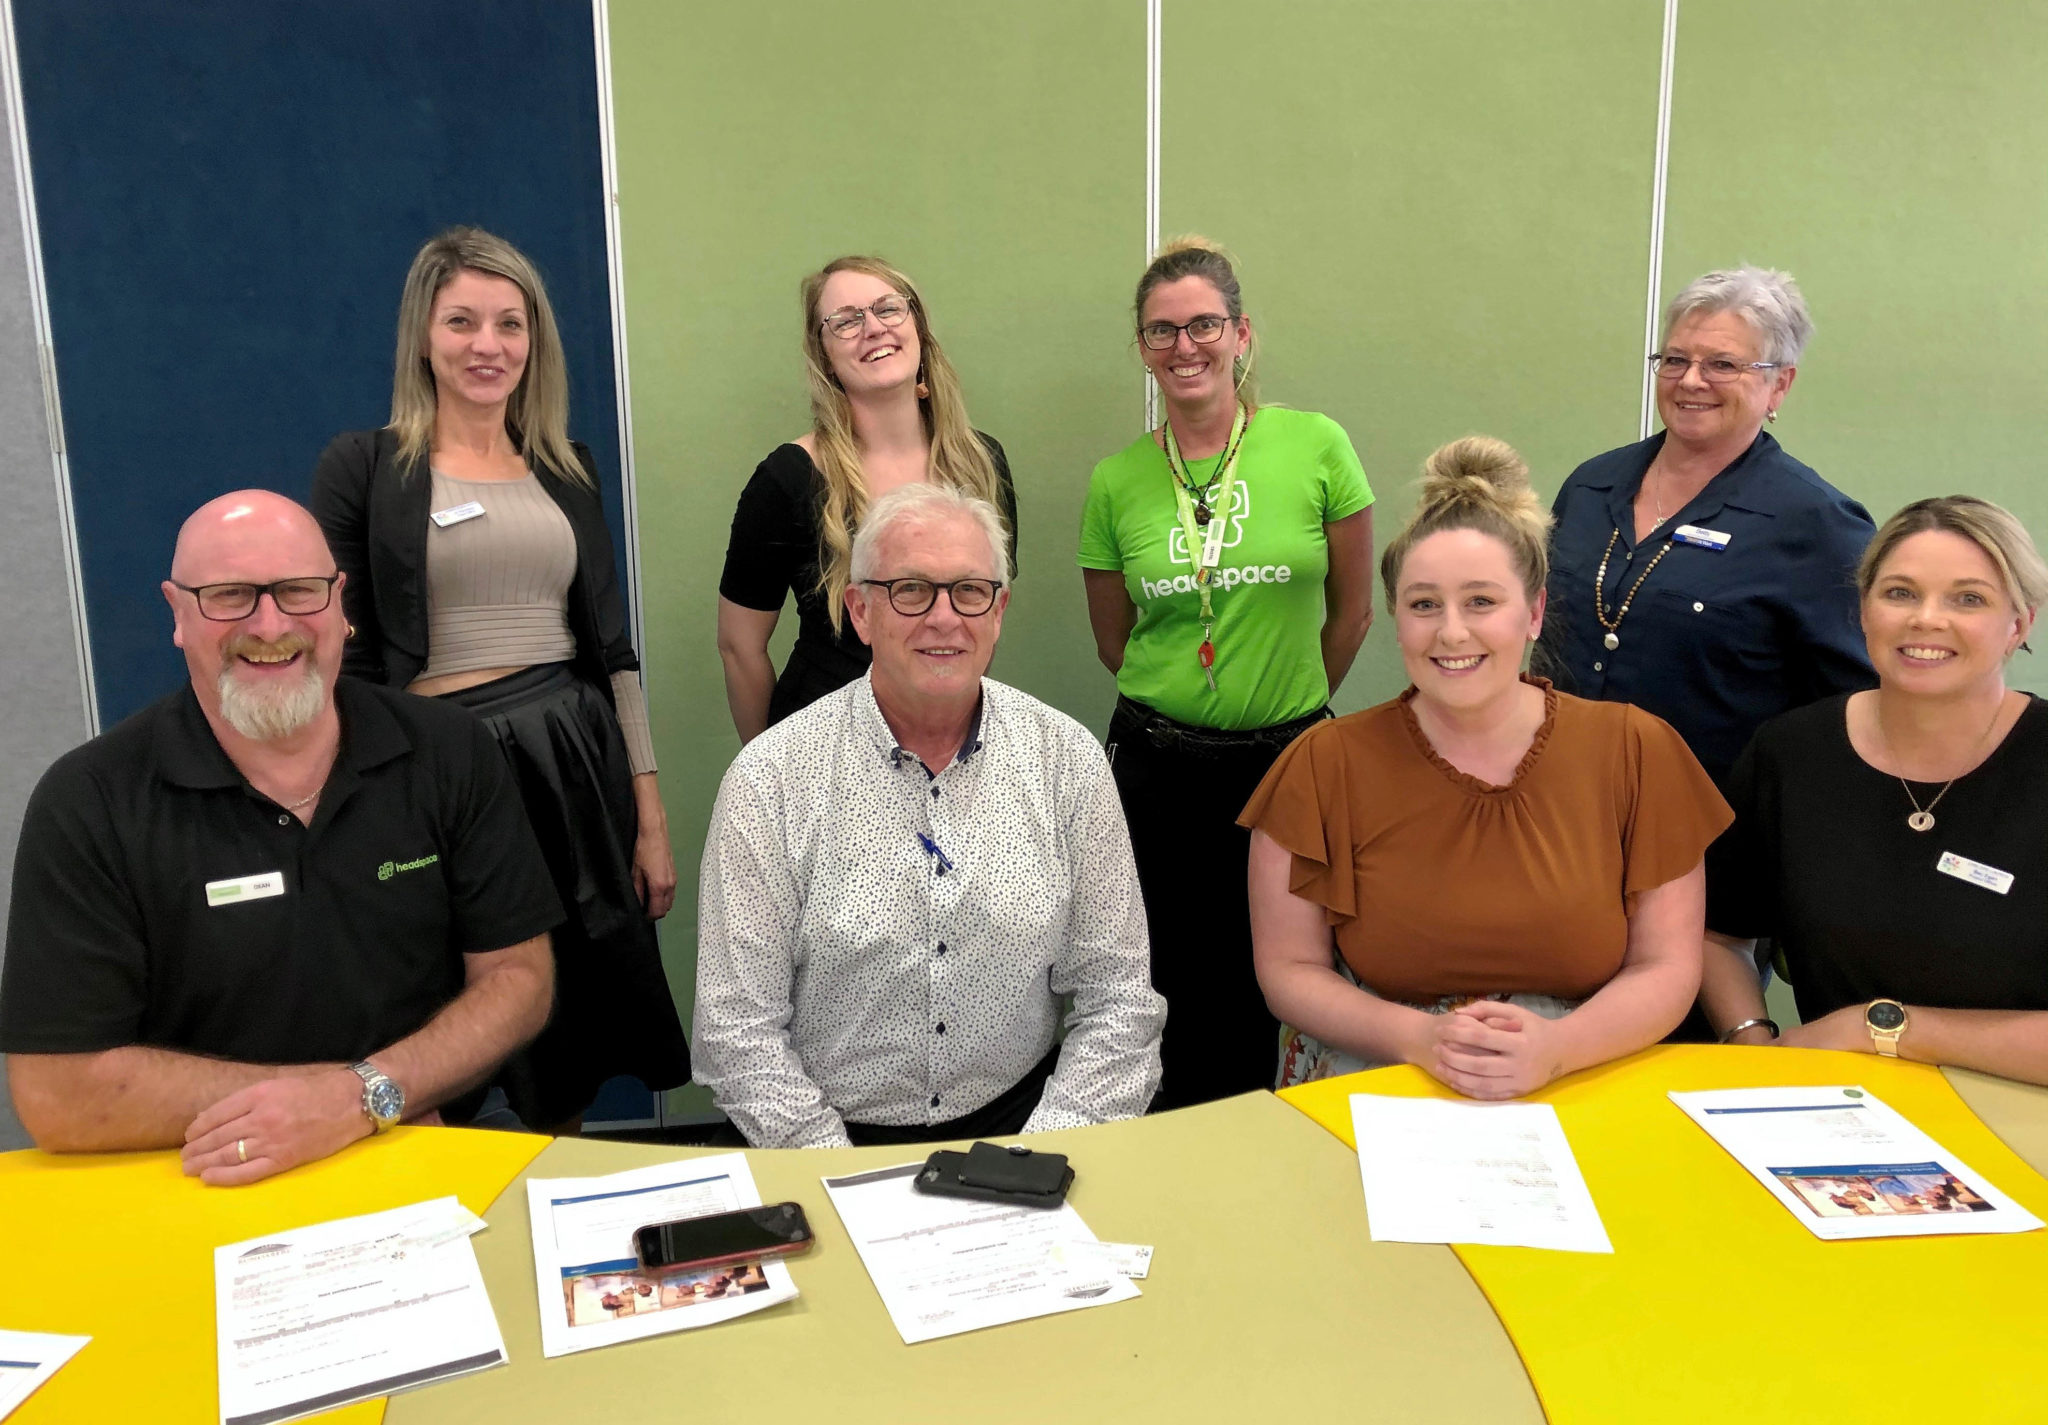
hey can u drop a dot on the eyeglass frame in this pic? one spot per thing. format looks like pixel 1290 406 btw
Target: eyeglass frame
pixel 198 593
pixel 888 587
pixel 1178 327
pixel 1658 361
pixel 863 313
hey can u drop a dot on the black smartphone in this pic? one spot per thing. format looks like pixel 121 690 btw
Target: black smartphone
pixel 743 1236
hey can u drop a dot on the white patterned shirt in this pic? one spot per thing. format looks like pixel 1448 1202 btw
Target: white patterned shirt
pixel 881 945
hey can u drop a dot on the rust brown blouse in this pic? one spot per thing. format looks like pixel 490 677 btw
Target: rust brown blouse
pixel 1436 883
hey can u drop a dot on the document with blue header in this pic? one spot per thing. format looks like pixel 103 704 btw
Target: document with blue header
pixel 1847 1165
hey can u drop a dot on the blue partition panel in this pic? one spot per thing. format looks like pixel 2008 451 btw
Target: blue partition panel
pixel 229 193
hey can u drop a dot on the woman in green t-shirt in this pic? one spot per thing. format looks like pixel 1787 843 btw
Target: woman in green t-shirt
pixel 1228 559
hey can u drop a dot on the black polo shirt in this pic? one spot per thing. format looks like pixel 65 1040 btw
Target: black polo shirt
pixel 1716 641
pixel 160 900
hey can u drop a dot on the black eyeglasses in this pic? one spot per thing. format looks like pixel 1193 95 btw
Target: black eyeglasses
pixel 1159 336
pixel 971 598
pixel 224 603
pixel 1719 370
pixel 848 322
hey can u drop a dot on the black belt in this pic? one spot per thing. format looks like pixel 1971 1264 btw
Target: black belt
pixel 1162 731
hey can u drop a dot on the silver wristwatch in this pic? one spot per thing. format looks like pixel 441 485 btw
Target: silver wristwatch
pixel 383 1099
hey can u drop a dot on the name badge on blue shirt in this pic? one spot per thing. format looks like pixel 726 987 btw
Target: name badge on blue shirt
pixel 1699 537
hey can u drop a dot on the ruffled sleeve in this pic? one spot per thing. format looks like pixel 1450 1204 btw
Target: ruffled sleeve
pixel 1304 806
pixel 1674 814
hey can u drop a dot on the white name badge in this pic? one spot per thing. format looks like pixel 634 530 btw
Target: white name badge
pixel 1698 536
pixel 245 888
pixel 458 514
pixel 1975 872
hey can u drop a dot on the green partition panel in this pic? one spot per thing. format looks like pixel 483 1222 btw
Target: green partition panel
pixel 997 154
pixel 1442 212
pixel 1890 154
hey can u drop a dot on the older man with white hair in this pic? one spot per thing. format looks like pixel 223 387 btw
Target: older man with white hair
pixel 903 881
pixel 269 914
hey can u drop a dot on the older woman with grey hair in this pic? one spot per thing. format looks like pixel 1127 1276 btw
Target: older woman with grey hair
pixel 1704 574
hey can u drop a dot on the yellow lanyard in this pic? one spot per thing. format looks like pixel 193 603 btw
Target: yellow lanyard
pixel 1203 526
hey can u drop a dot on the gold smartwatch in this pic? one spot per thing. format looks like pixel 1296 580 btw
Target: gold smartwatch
pixel 1886 1021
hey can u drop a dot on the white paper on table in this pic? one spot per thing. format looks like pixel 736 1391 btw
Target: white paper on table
pixel 1846 1164
pixel 944 1265
pixel 593 1290
pixel 350 1310
pixel 27 1359
pixel 1497 1174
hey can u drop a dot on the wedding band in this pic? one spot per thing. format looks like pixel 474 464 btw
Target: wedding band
pixel 241 1150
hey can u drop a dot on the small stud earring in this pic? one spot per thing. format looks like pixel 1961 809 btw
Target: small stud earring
pixel 351 631
pixel 1772 415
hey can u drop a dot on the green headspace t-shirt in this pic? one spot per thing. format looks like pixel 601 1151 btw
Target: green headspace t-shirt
pixel 1296 472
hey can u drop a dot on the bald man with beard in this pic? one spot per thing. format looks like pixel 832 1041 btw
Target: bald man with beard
pixel 271 913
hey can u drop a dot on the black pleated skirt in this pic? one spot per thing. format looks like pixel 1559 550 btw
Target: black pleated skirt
pixel 613 1010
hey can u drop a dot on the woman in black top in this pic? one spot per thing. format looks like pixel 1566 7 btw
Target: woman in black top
pixel 1895 842
pixel 886 411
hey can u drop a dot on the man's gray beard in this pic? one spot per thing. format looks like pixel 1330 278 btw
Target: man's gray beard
pixel 265 714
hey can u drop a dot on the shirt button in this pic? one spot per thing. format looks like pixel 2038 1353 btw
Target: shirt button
pixel 935 793
pixel 1699 608
pixel 1599 667
pixel 942 947
pixel 284 821
pixel 935 1100
pixel 942 1028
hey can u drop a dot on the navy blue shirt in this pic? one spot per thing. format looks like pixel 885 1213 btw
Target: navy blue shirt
pixel 1717 641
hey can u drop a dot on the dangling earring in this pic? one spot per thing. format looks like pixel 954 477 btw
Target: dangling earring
pixel 924 392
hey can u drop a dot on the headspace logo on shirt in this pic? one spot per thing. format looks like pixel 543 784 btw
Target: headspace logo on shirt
pixel 1233 533
pixel 1224 578
pixel 391 868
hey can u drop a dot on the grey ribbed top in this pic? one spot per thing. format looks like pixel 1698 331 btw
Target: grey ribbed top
pixel 498 591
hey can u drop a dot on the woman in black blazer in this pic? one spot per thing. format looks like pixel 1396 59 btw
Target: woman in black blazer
pixel 480 570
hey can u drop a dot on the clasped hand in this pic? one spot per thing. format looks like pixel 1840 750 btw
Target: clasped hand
pixel 1493 1050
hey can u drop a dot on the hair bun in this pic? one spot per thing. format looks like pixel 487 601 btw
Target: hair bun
pixel 1479 468
pixel 1191 242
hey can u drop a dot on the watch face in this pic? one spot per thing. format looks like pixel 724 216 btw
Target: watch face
pixel 386 1100
pixel 1885 1016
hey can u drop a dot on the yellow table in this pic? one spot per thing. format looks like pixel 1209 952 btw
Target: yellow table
pixel 119 1247
pixel 1267 1300
pixel 1717 1304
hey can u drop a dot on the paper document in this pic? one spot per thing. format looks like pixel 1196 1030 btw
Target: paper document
pixel 1848 1165
pixel 343 1311
pixel 593 1291
pixel 27 1359
pixel 944 1265
pixel 1499 1174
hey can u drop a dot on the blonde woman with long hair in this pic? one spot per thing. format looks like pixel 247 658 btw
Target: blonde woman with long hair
pixel 886 411
pixel 480 571
pixel 1227 555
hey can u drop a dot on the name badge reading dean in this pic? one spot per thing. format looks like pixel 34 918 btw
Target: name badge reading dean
pixel 1975 872
pixel 1698 536
pixel 245 888
pixel 457 514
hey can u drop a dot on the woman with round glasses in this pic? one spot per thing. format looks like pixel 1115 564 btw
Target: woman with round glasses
pixel 1894 842
pixel 1227 556
pixel 886 411
pixel 1704 574
pixel 480 571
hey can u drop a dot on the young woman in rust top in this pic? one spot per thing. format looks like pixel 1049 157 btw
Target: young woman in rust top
pixel 1488 879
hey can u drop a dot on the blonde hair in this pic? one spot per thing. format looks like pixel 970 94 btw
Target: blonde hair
pixel 1192 255
pixel 1482 484
pixel 958 457
pixel 537 416
pixel 1992 528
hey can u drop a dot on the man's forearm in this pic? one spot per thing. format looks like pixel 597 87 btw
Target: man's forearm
pixel 505 1004
pixel 125 1099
